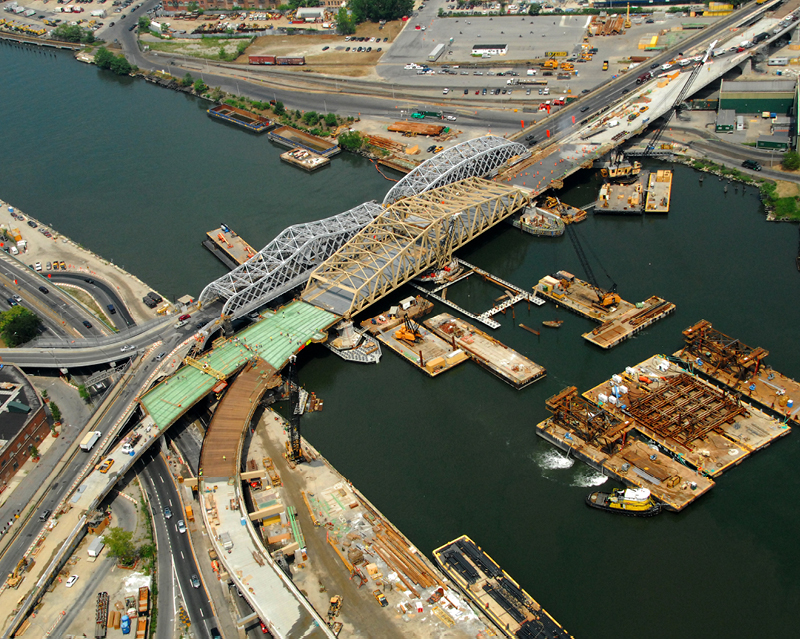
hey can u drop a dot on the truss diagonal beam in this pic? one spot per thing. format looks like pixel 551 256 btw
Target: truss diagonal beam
pixel 476 157
pixel 405 240
pixel 286 261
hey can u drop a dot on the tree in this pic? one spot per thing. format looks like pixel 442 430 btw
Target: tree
pixel 331 120
pixel 83 393
pixel 73 33
pixel 55 411
pixel 278 109
pixel 345 23
pixel 200 86
pixel 18 325
pixel 104 59
pixel 187 80
pixel 351 141
pixel 34 452
pixel 791 161
pixel 144 23
pixel 311 118
pixel 120 545
pixel 534 9
pixel 121 66
pixel 375 10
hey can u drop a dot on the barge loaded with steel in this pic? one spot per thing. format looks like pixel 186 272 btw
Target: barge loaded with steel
pixel 494 592
pixel 240 117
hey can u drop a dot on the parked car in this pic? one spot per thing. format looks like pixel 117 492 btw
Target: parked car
pixel 72 580
pixel 751 164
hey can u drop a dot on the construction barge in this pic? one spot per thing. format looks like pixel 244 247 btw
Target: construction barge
pixel 250 121
pixel 295 139
pixel 228 246
pixel 421 347
pixel 411 307
pixel 506 363
pixel 493 592
pixel 623 198
pixel 304 159
pixel 660 427
pixel 740 369
pixel 618 318
pixel 659 191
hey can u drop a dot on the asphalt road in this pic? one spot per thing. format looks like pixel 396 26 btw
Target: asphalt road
pixel 174 548
pixel 54 307
pixel 103 292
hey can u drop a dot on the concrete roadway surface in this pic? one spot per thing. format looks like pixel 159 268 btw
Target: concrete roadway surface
pixel 53 306
pixel 26 530
pixel 103 292
pixel 174 551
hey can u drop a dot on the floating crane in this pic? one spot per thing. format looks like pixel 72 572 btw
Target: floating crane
pixel 408 332
pixel 604 298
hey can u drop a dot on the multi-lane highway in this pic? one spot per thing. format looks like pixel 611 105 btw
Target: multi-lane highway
pixel 101 291
pixel 175 555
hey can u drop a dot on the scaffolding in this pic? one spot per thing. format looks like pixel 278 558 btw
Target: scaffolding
pixel 721 352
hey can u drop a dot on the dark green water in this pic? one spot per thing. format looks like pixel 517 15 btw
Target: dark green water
pixel 138 174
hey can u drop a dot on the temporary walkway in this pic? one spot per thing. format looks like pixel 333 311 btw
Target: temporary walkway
pixel 223 440
pixel 409 237
pixel 279 335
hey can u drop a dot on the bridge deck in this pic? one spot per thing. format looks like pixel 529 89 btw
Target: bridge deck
pixel 273 339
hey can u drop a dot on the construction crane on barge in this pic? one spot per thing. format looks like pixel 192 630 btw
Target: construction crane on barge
pixel 294 451
pixel 604 298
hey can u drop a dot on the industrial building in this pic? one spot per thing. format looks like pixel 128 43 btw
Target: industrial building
pixel 489 49
pixel 726 121
pixel 23 422
pixel 758 96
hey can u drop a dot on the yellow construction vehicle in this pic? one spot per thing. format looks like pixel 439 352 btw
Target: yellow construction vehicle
pixel 333 608
pixel 408 332
pixel 15 577
pixel 628 17
pixel 567 66
pixel 552 63
pixel 605 65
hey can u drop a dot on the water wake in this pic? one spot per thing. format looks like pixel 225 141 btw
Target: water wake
pixel 554 460
pixel 586 477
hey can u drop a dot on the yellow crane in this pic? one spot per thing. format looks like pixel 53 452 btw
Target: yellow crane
pixel 204 367
pixel 628 17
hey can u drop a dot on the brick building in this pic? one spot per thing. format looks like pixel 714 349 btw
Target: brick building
pixel 22 421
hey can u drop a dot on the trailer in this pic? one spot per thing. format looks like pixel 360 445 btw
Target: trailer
pixel 437 52
pixel 95 547
pixel 144 600
pixel 90 440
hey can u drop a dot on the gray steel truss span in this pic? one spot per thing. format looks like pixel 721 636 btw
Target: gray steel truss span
pixel 473 158
pixel 286 261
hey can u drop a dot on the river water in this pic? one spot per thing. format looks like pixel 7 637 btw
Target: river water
pixel 139 174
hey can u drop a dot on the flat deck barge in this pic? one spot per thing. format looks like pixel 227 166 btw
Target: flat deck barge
pixel 660 427
pixel 240 117
pixel 539 222
pixel 504 362
pixel 228 246
pixel 617 323
pixel 304 159
pixel 623 198
pixel 494 592
pixel 411 307
pixel 294 139
pixel 740 369
pixel 431 354
pixel 659 191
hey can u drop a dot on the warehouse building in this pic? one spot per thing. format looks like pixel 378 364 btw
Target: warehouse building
pixel 489 49
pixel 758 96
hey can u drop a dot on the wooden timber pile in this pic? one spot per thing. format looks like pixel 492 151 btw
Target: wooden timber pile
pixel 416 128
pixel 385 143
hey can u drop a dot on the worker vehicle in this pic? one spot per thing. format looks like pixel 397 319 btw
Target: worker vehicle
pixel 380 598
pixel 89 441
pixel 552 63
pixel 605 65
pixel 334 607
pixel 106 465
pixel 72 580
pixel 567 66
pixel 751 164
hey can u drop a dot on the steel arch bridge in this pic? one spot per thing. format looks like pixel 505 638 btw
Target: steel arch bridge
pixel 286 261
pixel 473 158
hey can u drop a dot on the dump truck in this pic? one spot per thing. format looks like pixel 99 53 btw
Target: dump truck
pixel 334 607
pixel 552 63
pixel 567 66
pixel 189 513
pixel 144 600
pixel 141 627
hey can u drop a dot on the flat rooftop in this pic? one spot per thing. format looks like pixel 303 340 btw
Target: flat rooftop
pixel 19 391
pixel 279 335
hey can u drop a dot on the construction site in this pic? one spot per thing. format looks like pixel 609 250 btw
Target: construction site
pixel 662 426
pixel 228 246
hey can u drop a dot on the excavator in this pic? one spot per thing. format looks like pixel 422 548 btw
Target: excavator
pixel 16 576
pixel 605 298
pixel 408 332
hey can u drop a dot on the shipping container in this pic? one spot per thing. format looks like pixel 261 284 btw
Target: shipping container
pixel 95 547
pixel 437 52
pixel 290 60
pixel 778 62
pixel 261 59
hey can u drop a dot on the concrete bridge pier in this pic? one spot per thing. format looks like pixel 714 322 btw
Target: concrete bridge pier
pixel 794 42
pixel 747 66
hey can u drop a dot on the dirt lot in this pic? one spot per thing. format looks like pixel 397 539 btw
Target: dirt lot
pixel 335 60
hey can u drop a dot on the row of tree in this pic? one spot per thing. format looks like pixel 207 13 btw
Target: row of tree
pixel 104 59
pixel 18 325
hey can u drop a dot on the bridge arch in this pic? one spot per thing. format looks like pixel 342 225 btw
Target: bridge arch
pixel 472 158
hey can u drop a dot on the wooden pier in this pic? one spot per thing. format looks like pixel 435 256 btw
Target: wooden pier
pixel 618 322
pixel 504 362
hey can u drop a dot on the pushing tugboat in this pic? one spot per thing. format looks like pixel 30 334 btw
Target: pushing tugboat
pixel 628 502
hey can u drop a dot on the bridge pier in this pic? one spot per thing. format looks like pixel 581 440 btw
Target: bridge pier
pixel 747 66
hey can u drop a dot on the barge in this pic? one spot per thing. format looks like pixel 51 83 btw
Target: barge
pixel 625 198
pixel 658 426
pixel 228 246
pixel 495 593
pixel 508 364
pixel 619 319
pixel 659 191
pixel 295 139
pixel 540 222
pixel 304 159
pixel 566 212
pixel 240 117
pixel 411 307
pixel 421 347
pixel 740 369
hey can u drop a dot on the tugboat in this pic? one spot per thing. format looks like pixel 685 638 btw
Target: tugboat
pixel 552 323
pixel 628 502
pixel 447 273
